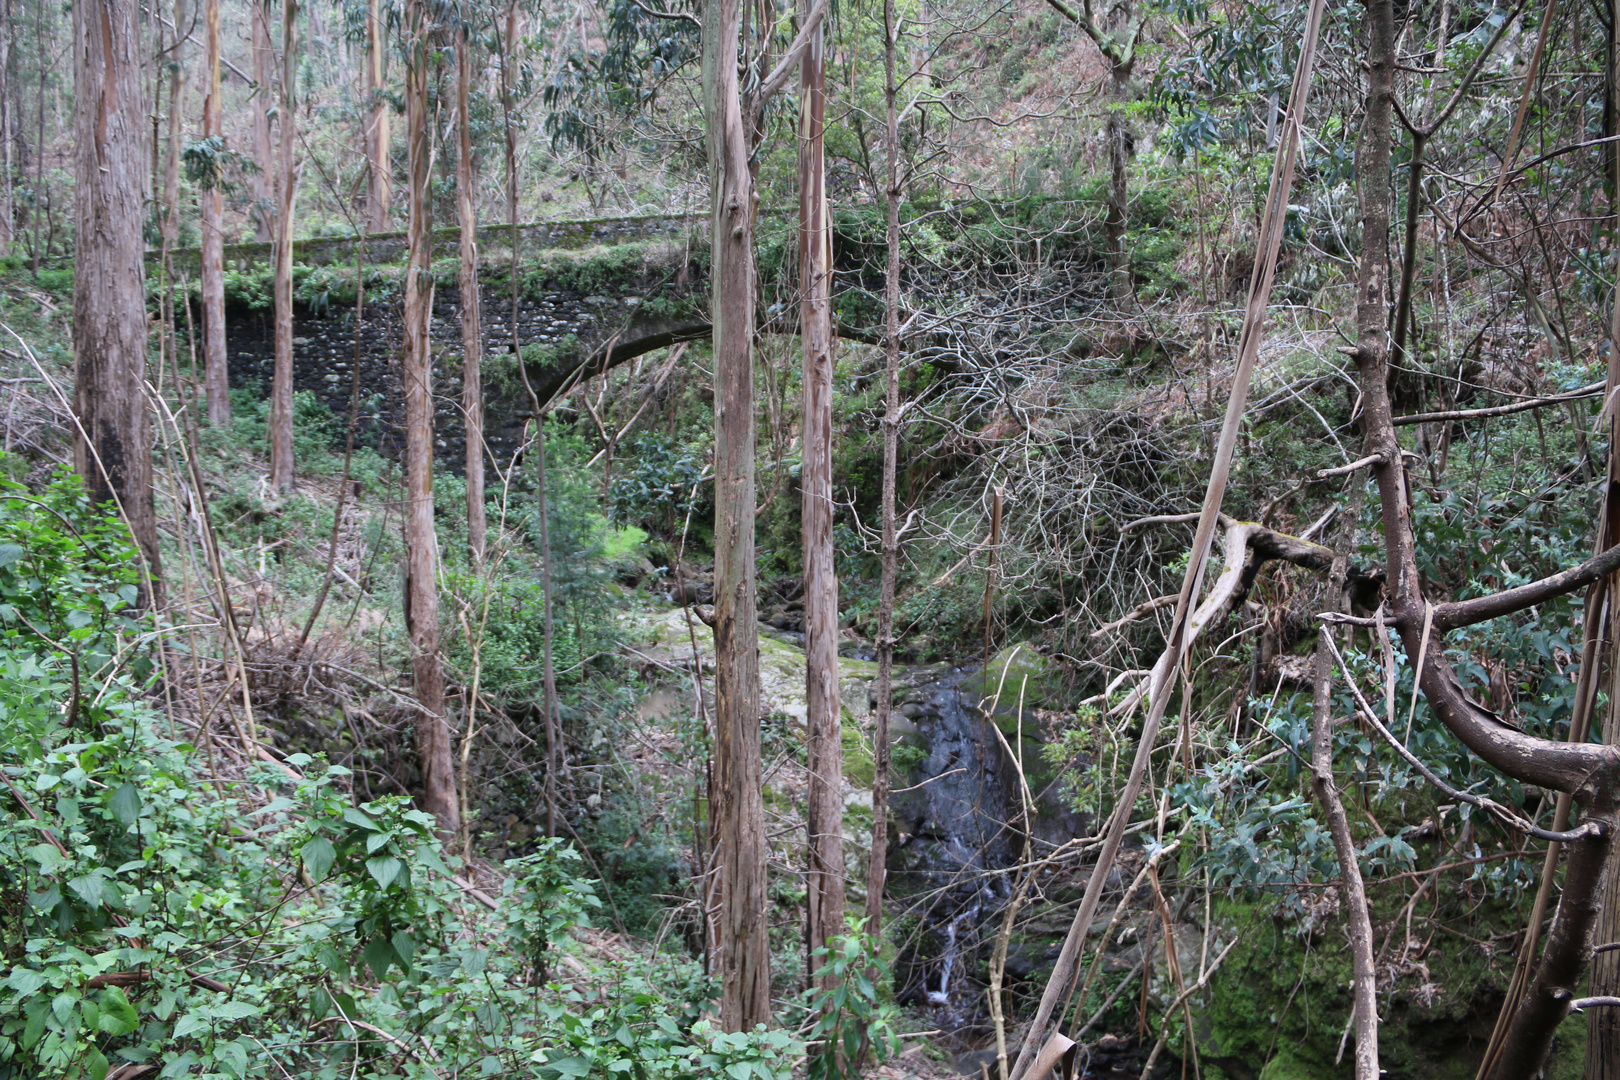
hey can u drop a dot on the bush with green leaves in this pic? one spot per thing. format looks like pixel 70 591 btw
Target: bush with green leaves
pixel 156 913
pixel 850 1021
pixel 153 921
pixel 655 483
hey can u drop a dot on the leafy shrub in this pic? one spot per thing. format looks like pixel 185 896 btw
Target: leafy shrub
pixel 654 488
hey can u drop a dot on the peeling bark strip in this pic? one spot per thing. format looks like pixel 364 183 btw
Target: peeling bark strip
pixel 1365 985
pixel 1065 973
pixel 112 440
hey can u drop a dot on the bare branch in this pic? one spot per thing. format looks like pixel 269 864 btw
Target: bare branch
pixel 1462 613
pixel 1590 390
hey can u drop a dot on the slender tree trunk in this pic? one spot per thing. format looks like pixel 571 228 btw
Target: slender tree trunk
pixel 262 183
pixel 1586 772
pixel 377 135
pixel 1365 979
pixel 1603 1025
pixel 824 880
pixel 547 672
pixel 281 424
pixel 216 372
pixel 421 543
pixel 745 959
pixel 8 121
pixel 472 339
pixel 170 215
pixel 877 868
pixel 1120 287
pixel 553 719
pixel 113 448
pixel 40 200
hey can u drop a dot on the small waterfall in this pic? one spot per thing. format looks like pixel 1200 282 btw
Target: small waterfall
pixel 953 853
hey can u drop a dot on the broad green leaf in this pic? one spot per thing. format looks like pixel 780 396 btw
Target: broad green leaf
pixel 384 868
pixel 125 804
pixel 356 817
pixel 404 948
pixel 191 1024
pixel 118 1016
pixel 318 856
pixel 233 1058
pixel 25 980
pixel 96 1064
pixel 379 956
pixel 88 887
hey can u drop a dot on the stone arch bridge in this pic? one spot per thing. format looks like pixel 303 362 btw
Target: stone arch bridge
pixel 593 294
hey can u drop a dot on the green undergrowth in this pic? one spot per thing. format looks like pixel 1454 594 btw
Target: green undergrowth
pixel 160 915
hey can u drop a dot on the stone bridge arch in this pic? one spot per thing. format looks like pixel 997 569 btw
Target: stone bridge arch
pixel 593 295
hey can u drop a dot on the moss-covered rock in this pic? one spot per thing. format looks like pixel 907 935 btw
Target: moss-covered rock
pixel 1016 674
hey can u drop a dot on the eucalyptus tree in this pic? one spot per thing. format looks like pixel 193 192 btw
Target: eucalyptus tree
pixel 286 189
pixel 472 342
pixel 421 593
pixel 9 25
pixel 113 442
pixel 211 242
pixel 378 143
pixel 262 182
pixel 824 877
pixel 733 129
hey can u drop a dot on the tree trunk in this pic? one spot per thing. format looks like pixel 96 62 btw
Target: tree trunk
pixel 1120 286
pixel 824 879
pixel 40 199
pixel 377 136
pixel 421 544
pixel 8 122
pixel 216 371
pixel 1364 983
pixel 171 181
pixel 112 446
pixel 1603 1025
pixel 281 424
pixel 262 182
pixel 1591 774
pixel 472 339
pixel 738 805
pixel 877 868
